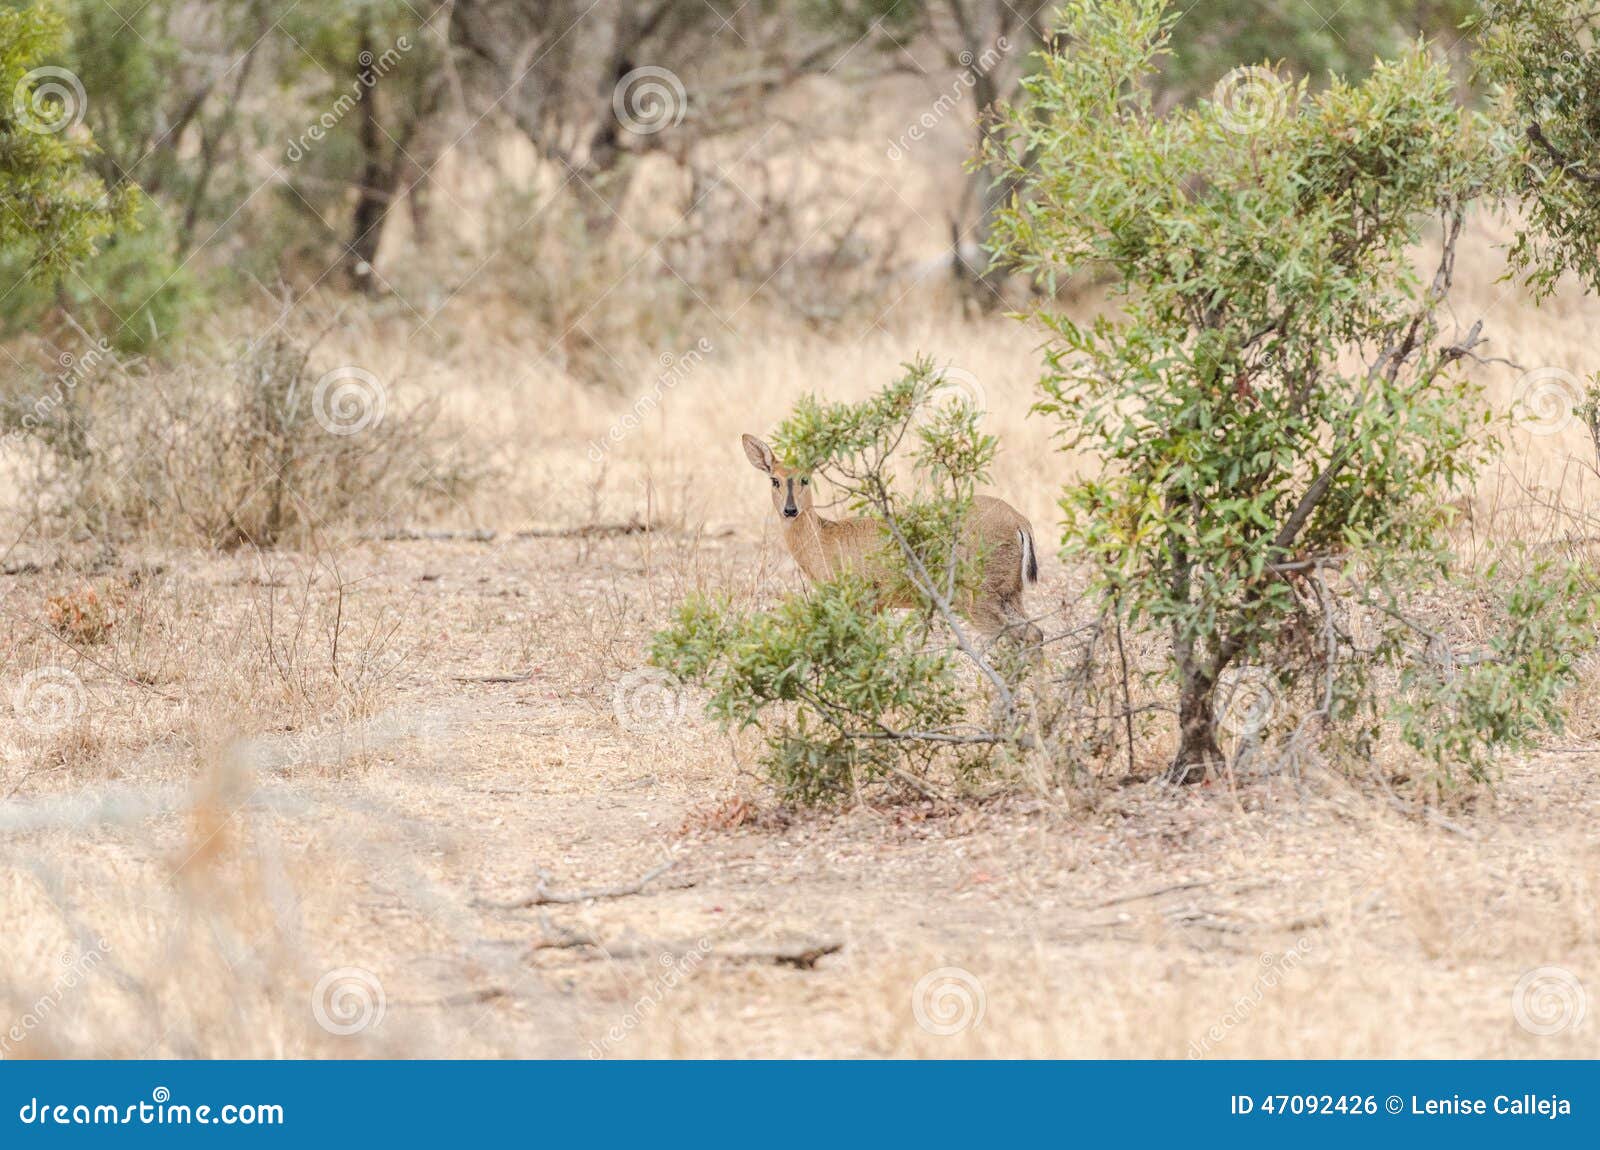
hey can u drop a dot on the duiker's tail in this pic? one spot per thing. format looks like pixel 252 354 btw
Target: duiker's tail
pixel 1030 561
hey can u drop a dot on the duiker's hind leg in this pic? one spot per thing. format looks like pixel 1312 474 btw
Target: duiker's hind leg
pixel 987 619
pixel 1020 628
pixel 1004 625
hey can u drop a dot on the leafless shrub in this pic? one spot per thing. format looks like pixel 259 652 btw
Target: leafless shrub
pixel 259 450
pixel 589 296
pixel 800 240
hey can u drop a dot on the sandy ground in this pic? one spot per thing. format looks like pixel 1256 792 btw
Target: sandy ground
pixel 359 869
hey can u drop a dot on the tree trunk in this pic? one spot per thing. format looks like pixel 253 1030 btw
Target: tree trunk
pixel 376 188
pixel 1197 729
pixel 985 283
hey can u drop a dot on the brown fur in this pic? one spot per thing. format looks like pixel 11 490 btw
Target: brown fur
pixel 824 547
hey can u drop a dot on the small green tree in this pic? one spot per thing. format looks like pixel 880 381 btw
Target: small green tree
pixel 1280 417
pixel 53 212
pixel 850 694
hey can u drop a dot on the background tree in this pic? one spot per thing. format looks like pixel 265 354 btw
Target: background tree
pixel 376 86
pixel 1544 58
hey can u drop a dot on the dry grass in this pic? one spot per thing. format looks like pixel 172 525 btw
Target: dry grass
pixel 260 769
pixel 226 877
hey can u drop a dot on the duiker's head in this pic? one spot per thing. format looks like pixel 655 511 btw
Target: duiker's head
pixel 791 490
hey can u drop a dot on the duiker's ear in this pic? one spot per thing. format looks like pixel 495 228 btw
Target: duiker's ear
pixel 760 454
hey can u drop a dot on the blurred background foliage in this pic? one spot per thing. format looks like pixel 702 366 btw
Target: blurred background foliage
pixel 279 143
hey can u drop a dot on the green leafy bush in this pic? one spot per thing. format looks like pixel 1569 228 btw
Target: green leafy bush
pixel 1282 420
pixel 1459 709
pixel 134 292
pixel 856 696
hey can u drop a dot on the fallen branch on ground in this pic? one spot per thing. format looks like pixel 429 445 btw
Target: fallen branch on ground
pixel 587 531
pixel 1160 890
pixel 801 956
pixel 542 895
pixel 488 535
pixel 461 998
pixel 411 535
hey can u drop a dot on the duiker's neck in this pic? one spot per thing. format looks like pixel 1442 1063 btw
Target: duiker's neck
pixel 804 529
pixel 806 536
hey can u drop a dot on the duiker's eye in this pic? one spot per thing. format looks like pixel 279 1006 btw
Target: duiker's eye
pixel 806 482
pixel 774 483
